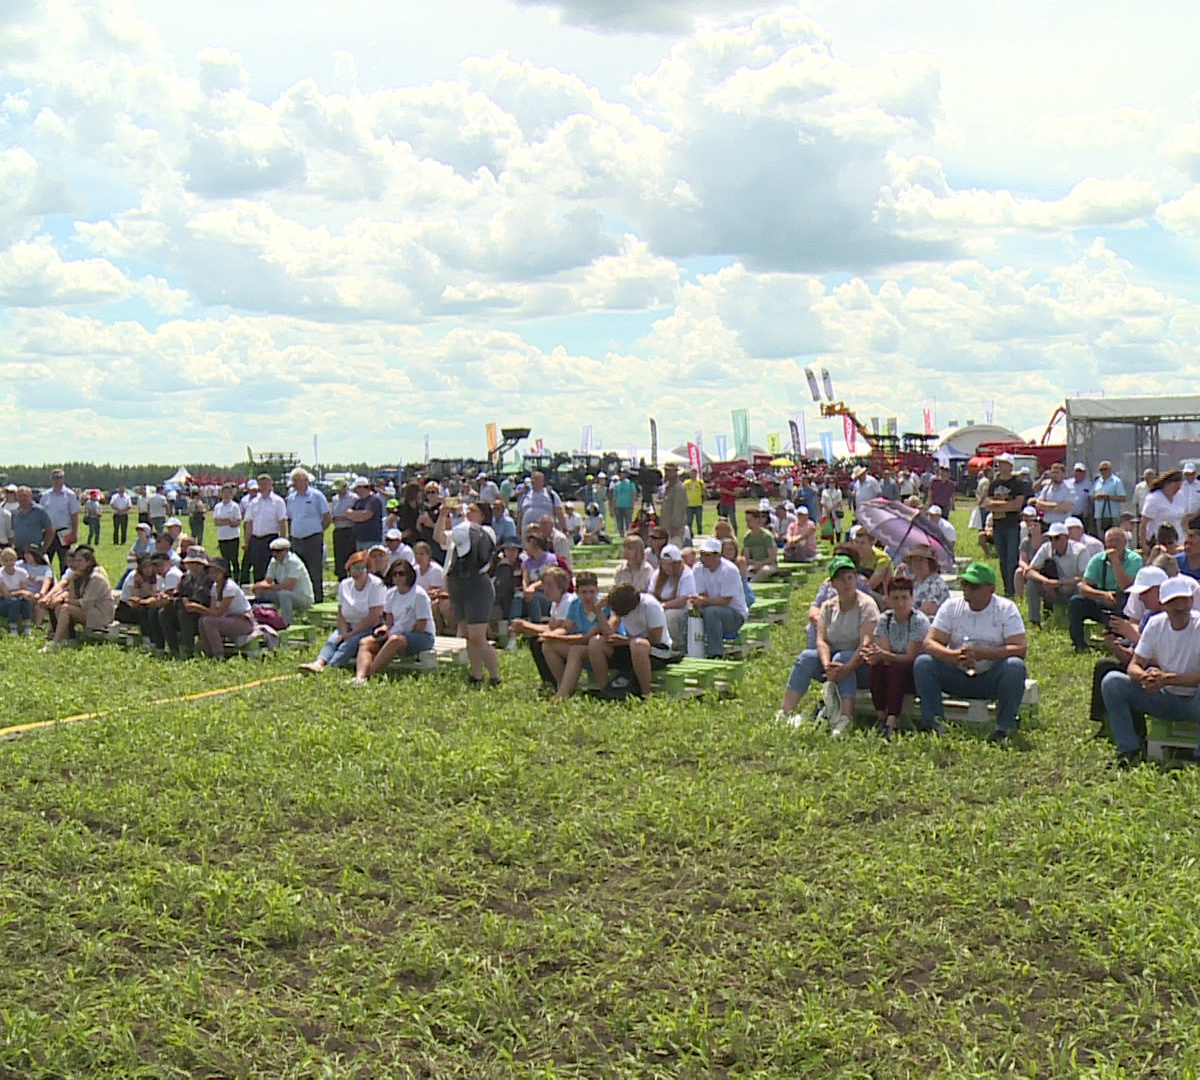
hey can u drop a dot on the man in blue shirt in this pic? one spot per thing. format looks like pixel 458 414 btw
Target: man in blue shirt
pixel 309 516
pixel 30 523
pixel 62 507
pixel 367 513
pixel 1108 495
pixel 1081 495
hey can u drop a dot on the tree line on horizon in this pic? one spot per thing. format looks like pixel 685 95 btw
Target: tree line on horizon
pixel 108 477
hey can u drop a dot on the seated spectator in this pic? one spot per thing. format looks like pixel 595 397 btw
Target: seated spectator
pixel 672 585
pixel 565 650
pixel 729 551
pixel 1188 560
pixel 845 627
pixel 1162 675
pixel 723 530
pixel 1166 541
pixel 539 558
pixel 574 523
pixel 800 541
pixel 16 601
pixel 689 556
pixel 949 532
pixel 558 542
pixel 872 562
pixel 975 650
pixel 1102 590
pixel 89 601
pixel 1080 535
pixel 407 628
pixel 378 560
pixel 930 590
pixel 758 547
pixel 1121 634
pixel 1033 536
pixel 41 579
pixel 633 569
pixel 361 598
pixel 1164 504
pixel 226 613
pixel 502 522
pixel 287 584
pixel 393 540
pixel 555 583
pixel 594 531
pixel 432 578
pixel 143 542
pixel 179 625
pixel 899 639
pixel 635 642
pixel 719 597
pixel 1054 573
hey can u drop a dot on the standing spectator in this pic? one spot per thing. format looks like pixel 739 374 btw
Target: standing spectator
pixel 623 495
pixel 539 500
pixel 695 489
pixel 367 513
pixel 31 524
pixel 309 515
pixel 1006 499
pixel 888 486
pixel 343 527
pixel 833 509
pixel 471 591
pixel 1108 495
pixel 942 490
pixel 727 489
pixel 156 508
pixel 1163 506
pixel 62 507
pixel 674 512
pixel 1140 491
pixel 91 515
pixel 225 614
pixel 264 520
pixel 227 516
pixel 6 525
pixel 120 505
pixel 1081 495
pixel 197 511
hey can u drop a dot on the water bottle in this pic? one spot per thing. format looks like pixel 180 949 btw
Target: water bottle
pixel 965 644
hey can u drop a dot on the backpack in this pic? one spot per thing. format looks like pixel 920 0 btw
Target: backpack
pixel 479 556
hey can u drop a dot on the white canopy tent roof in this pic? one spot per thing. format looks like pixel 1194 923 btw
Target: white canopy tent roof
pixel 180 477
pixel 679 456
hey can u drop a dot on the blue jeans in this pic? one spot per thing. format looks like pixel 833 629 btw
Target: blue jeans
pixel 623 517
pixel 1008 549
pixel 16 609
pixel 719 623
pixel 1122 695
pixel 417 641
pixel 695 519
pixel 1003 683
pixel 807 669
pixel 341 652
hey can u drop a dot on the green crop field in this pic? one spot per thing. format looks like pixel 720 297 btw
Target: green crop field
pixel 418 879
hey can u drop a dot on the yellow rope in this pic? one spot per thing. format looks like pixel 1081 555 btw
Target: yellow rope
pixel 20 729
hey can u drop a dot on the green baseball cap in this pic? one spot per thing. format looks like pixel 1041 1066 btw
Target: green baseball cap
pixel 978 573
pixel 839 563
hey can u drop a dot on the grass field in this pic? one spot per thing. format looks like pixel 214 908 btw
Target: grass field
pixel 419 879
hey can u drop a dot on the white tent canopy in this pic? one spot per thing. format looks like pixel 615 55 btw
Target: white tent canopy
pixel 679 456
pixel 962 442
pixel 180 477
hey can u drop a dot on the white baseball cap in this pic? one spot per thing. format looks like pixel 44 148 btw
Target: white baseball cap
pixel 1073 523
pixel 1147 578
pixel 710 545
pixel 1174 588
pixel 1057 529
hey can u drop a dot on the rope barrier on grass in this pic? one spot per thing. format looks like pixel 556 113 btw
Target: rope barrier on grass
pixel 21 729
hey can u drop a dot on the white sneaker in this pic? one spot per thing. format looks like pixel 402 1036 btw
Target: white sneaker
pixel 791 719
pixel 839 725
pixel 358 681
pixel 511 644
pixel 51 646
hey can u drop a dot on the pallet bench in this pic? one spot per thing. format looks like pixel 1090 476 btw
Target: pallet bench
pixel 1170 738
pixel 977 714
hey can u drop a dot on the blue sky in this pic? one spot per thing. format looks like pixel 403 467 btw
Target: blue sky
pixel 395 221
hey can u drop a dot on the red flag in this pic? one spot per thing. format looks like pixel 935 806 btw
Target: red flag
pixel 851 433
pixel 694 456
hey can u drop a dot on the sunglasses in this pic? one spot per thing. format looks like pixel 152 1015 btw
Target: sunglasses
pixel 358 569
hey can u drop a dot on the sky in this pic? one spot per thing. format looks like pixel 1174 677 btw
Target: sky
pixel 375 223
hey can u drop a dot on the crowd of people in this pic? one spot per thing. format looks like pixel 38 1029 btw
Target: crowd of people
pixel 494 561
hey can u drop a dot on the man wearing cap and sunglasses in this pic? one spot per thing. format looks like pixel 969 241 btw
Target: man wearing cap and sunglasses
pixel 1007 496
pixel 1163 673
pixel 1054 572
pixel 974 650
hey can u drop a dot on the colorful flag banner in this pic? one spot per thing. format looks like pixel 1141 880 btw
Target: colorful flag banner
pixel 774 443
pixel 850 433
pixel 694 456
pixel 927 413
pixel 799 434
pixel 537 445
pixel 653 443
pixel 492 440
pixel 722 447
pixel 741 433
pixel 989 412
pixel 874 425
pixel 893 426
pixel 827 446
pixel 426 449
pixel 585 441
pixel 812 384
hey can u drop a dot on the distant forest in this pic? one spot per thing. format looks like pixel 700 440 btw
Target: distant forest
pixel 87 474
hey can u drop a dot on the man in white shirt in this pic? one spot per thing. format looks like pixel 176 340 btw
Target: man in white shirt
pixel 949 532
pixel 227 515
pixel 1054 573
pixel 638 644
pixel 62 507
pixel 120 504
pixel 264 520
pixel 975 650
pixel 156 508
pixel 1163 674
pixel 287 584
pixel 1075 530
pixel 720 597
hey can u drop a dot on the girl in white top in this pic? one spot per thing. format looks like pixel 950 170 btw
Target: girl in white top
pixel 41 579
pixel 633 568
pixel 1164 506
pixel 408 629
pixel 227 614
pixel 361 596
pixel 673 583
pixel 15 600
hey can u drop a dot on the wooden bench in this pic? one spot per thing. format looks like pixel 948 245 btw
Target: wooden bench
pixel 773 610
pixel 978 714
pixel 1170 738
